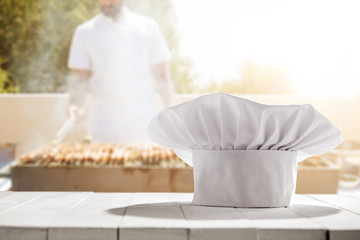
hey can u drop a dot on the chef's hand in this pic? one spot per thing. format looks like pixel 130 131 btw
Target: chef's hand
pixel 79 112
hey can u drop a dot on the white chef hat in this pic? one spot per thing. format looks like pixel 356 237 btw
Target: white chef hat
pixel 244 153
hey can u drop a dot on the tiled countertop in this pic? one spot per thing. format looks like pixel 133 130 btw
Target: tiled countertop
pixel 87 215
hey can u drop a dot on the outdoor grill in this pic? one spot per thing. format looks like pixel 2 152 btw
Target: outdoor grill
pixel 102 167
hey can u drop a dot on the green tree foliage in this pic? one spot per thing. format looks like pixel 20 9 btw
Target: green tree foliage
pixel 35 37
pixel 257 79
pixel 19 21
pixel 6 85
pixel 48 68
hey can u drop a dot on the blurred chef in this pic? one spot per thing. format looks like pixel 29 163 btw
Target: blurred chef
pixel 117 55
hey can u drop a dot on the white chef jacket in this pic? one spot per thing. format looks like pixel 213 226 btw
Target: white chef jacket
pixel 120 54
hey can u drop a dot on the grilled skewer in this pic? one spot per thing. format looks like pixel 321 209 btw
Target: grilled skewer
pixel 101 154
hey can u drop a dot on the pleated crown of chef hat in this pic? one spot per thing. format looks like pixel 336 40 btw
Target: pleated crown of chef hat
pixel 243 153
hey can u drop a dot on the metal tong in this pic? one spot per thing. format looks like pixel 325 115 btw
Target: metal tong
pixel 65 129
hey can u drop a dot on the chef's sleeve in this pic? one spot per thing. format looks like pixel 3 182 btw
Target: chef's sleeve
pixel 159 50
pixel 78 57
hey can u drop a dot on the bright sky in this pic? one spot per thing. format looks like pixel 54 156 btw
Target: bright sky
pixel 318 41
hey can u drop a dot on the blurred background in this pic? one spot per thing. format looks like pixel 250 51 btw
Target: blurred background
pixel 270 51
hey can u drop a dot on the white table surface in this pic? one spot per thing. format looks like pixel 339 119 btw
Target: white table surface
pixel 87 215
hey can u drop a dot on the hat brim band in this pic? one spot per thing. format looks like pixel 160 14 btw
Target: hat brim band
pixel 244 178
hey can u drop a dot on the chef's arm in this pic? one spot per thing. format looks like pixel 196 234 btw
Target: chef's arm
pixel 163 79
pixel 78 90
